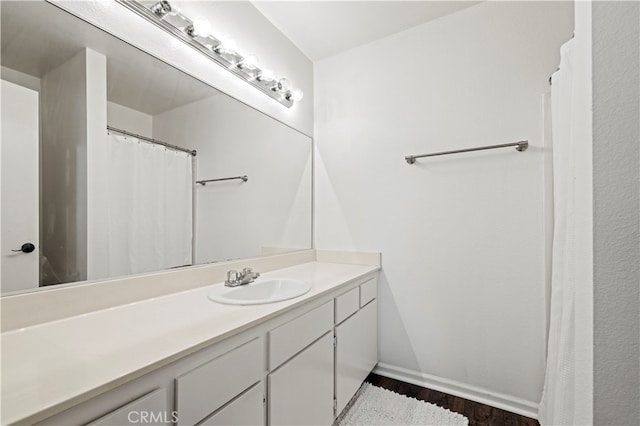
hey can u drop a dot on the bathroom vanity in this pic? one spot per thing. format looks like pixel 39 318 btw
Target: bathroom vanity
pixel 182 358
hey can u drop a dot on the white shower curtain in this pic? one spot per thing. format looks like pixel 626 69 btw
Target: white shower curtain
pixel 559 394
pixel 150 204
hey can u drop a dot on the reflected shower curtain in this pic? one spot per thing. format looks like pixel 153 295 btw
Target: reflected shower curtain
pixel 150 204
pixel 558 398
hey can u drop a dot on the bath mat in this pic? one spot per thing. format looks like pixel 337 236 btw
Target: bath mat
pixel 377 406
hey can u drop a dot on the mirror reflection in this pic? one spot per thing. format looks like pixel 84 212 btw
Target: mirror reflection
pixel 102 149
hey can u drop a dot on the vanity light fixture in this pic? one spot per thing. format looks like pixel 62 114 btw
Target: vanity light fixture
pixel 249 62
pixel 296 95
pixel 265 75
pixel 161 8
pixel 223 51
pixel 227 44
pixel 282 86
pixel 199 28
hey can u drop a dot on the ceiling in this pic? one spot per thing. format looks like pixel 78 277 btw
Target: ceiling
pixel 325 28
pixel 37 37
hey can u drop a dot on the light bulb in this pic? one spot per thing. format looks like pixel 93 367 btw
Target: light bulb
pixel 265 75
pixel 228 44
pixel 296 95
pixel 283 85
pixel 249 62
pixel 200 27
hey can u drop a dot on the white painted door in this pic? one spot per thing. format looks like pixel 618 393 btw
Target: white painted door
pixel 19 187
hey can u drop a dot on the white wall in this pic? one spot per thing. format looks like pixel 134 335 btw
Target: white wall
pixel 616 207
pixel 131 120
pixel 97 168
pixel 64 168
pixel 462 293
pixel 253 32
pixel 236 219
pixel 73 147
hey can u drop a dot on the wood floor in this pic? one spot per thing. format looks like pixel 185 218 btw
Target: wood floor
pixel 478 414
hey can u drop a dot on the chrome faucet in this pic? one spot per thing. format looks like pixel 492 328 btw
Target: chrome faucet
pixel 246 276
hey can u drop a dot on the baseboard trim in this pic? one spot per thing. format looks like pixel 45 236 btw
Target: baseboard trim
pixel 483 396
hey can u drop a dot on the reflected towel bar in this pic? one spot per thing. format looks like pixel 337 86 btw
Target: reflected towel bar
pixel 204 182
pixel 520 146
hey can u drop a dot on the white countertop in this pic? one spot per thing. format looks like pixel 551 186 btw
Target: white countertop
pixel 52 365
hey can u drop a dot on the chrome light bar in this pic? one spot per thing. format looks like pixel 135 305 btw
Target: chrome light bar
pixel 196 34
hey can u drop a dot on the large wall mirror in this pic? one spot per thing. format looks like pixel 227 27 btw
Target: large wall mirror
pixel 89 191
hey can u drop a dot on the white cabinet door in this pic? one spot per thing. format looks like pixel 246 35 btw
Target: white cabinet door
pixel 356 352
pixel 301 391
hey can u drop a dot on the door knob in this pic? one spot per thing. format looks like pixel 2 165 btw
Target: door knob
pixel 26 248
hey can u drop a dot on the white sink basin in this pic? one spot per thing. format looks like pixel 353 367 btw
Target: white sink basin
pixel 260 292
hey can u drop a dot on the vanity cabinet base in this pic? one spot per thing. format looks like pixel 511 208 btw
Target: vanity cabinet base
pixel 300 367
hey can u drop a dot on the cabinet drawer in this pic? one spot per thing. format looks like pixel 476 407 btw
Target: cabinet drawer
pixel 247 409
pixel 205 389
pixel 368 291
pixel 150 409
pixel 347 304
pixel 290 338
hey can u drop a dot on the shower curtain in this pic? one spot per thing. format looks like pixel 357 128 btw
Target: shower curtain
pixel 558 398
pixel 150 204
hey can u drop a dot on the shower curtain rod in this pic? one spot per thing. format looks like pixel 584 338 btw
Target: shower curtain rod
pixel 154 141
pixel 520 146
